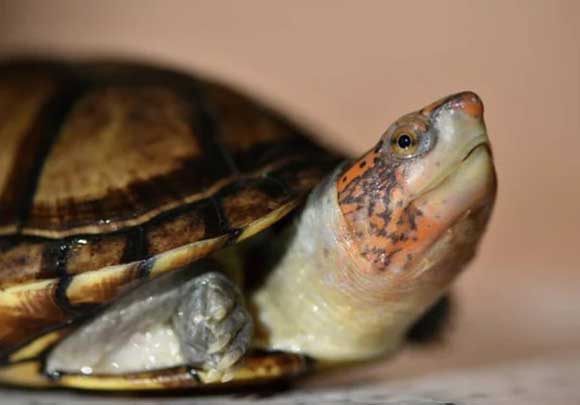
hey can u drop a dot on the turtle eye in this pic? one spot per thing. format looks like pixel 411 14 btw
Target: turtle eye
pixel 404 142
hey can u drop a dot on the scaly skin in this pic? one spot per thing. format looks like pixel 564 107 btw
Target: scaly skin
pixel 383 238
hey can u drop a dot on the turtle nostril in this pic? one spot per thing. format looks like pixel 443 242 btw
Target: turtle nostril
pixel 466 101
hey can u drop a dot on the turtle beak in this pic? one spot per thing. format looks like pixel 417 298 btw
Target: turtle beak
pixel 460 116
pixel 458 121
pixel 468 179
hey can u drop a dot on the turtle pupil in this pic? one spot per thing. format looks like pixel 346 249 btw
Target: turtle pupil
pixel 404 141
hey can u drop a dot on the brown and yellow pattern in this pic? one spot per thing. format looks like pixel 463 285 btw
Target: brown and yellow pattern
pixel 114 173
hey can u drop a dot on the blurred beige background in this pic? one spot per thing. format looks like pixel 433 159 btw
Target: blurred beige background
pixel 348 69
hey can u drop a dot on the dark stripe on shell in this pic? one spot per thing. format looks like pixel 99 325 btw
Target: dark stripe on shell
pixel 135 245
pixel 144 268
pixel 276 189
pixel 223 220
pixel 60 296
pixel 204 209
pixel 207 126
pixel 33 151
pixel 54 258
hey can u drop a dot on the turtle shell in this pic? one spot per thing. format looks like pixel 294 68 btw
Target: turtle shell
pixel 112 173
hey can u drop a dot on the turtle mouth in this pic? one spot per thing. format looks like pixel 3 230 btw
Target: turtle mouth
pixel 479 142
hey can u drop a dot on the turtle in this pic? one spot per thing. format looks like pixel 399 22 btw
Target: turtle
pixel 162 230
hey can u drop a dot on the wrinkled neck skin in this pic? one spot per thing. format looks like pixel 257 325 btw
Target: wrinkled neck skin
pixel 357 271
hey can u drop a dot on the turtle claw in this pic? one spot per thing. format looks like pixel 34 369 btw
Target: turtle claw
pixel 212 323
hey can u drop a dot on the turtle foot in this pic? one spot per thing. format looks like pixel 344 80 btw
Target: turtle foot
pixel 213 325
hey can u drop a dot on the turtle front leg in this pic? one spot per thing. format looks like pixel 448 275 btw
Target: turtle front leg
pixel 213 325
pixel 193 317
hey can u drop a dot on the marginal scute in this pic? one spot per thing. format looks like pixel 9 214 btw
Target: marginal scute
pixel 21 263
pixel 95 287
pixel 175 231
pixel 252 200
pixel 26 310
pixel 88 254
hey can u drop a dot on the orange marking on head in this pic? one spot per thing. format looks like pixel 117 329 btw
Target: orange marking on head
pixel 406 236
pixel 357 169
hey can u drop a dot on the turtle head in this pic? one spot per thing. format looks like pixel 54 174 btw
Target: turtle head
pixel 383 237
pixel 416 205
